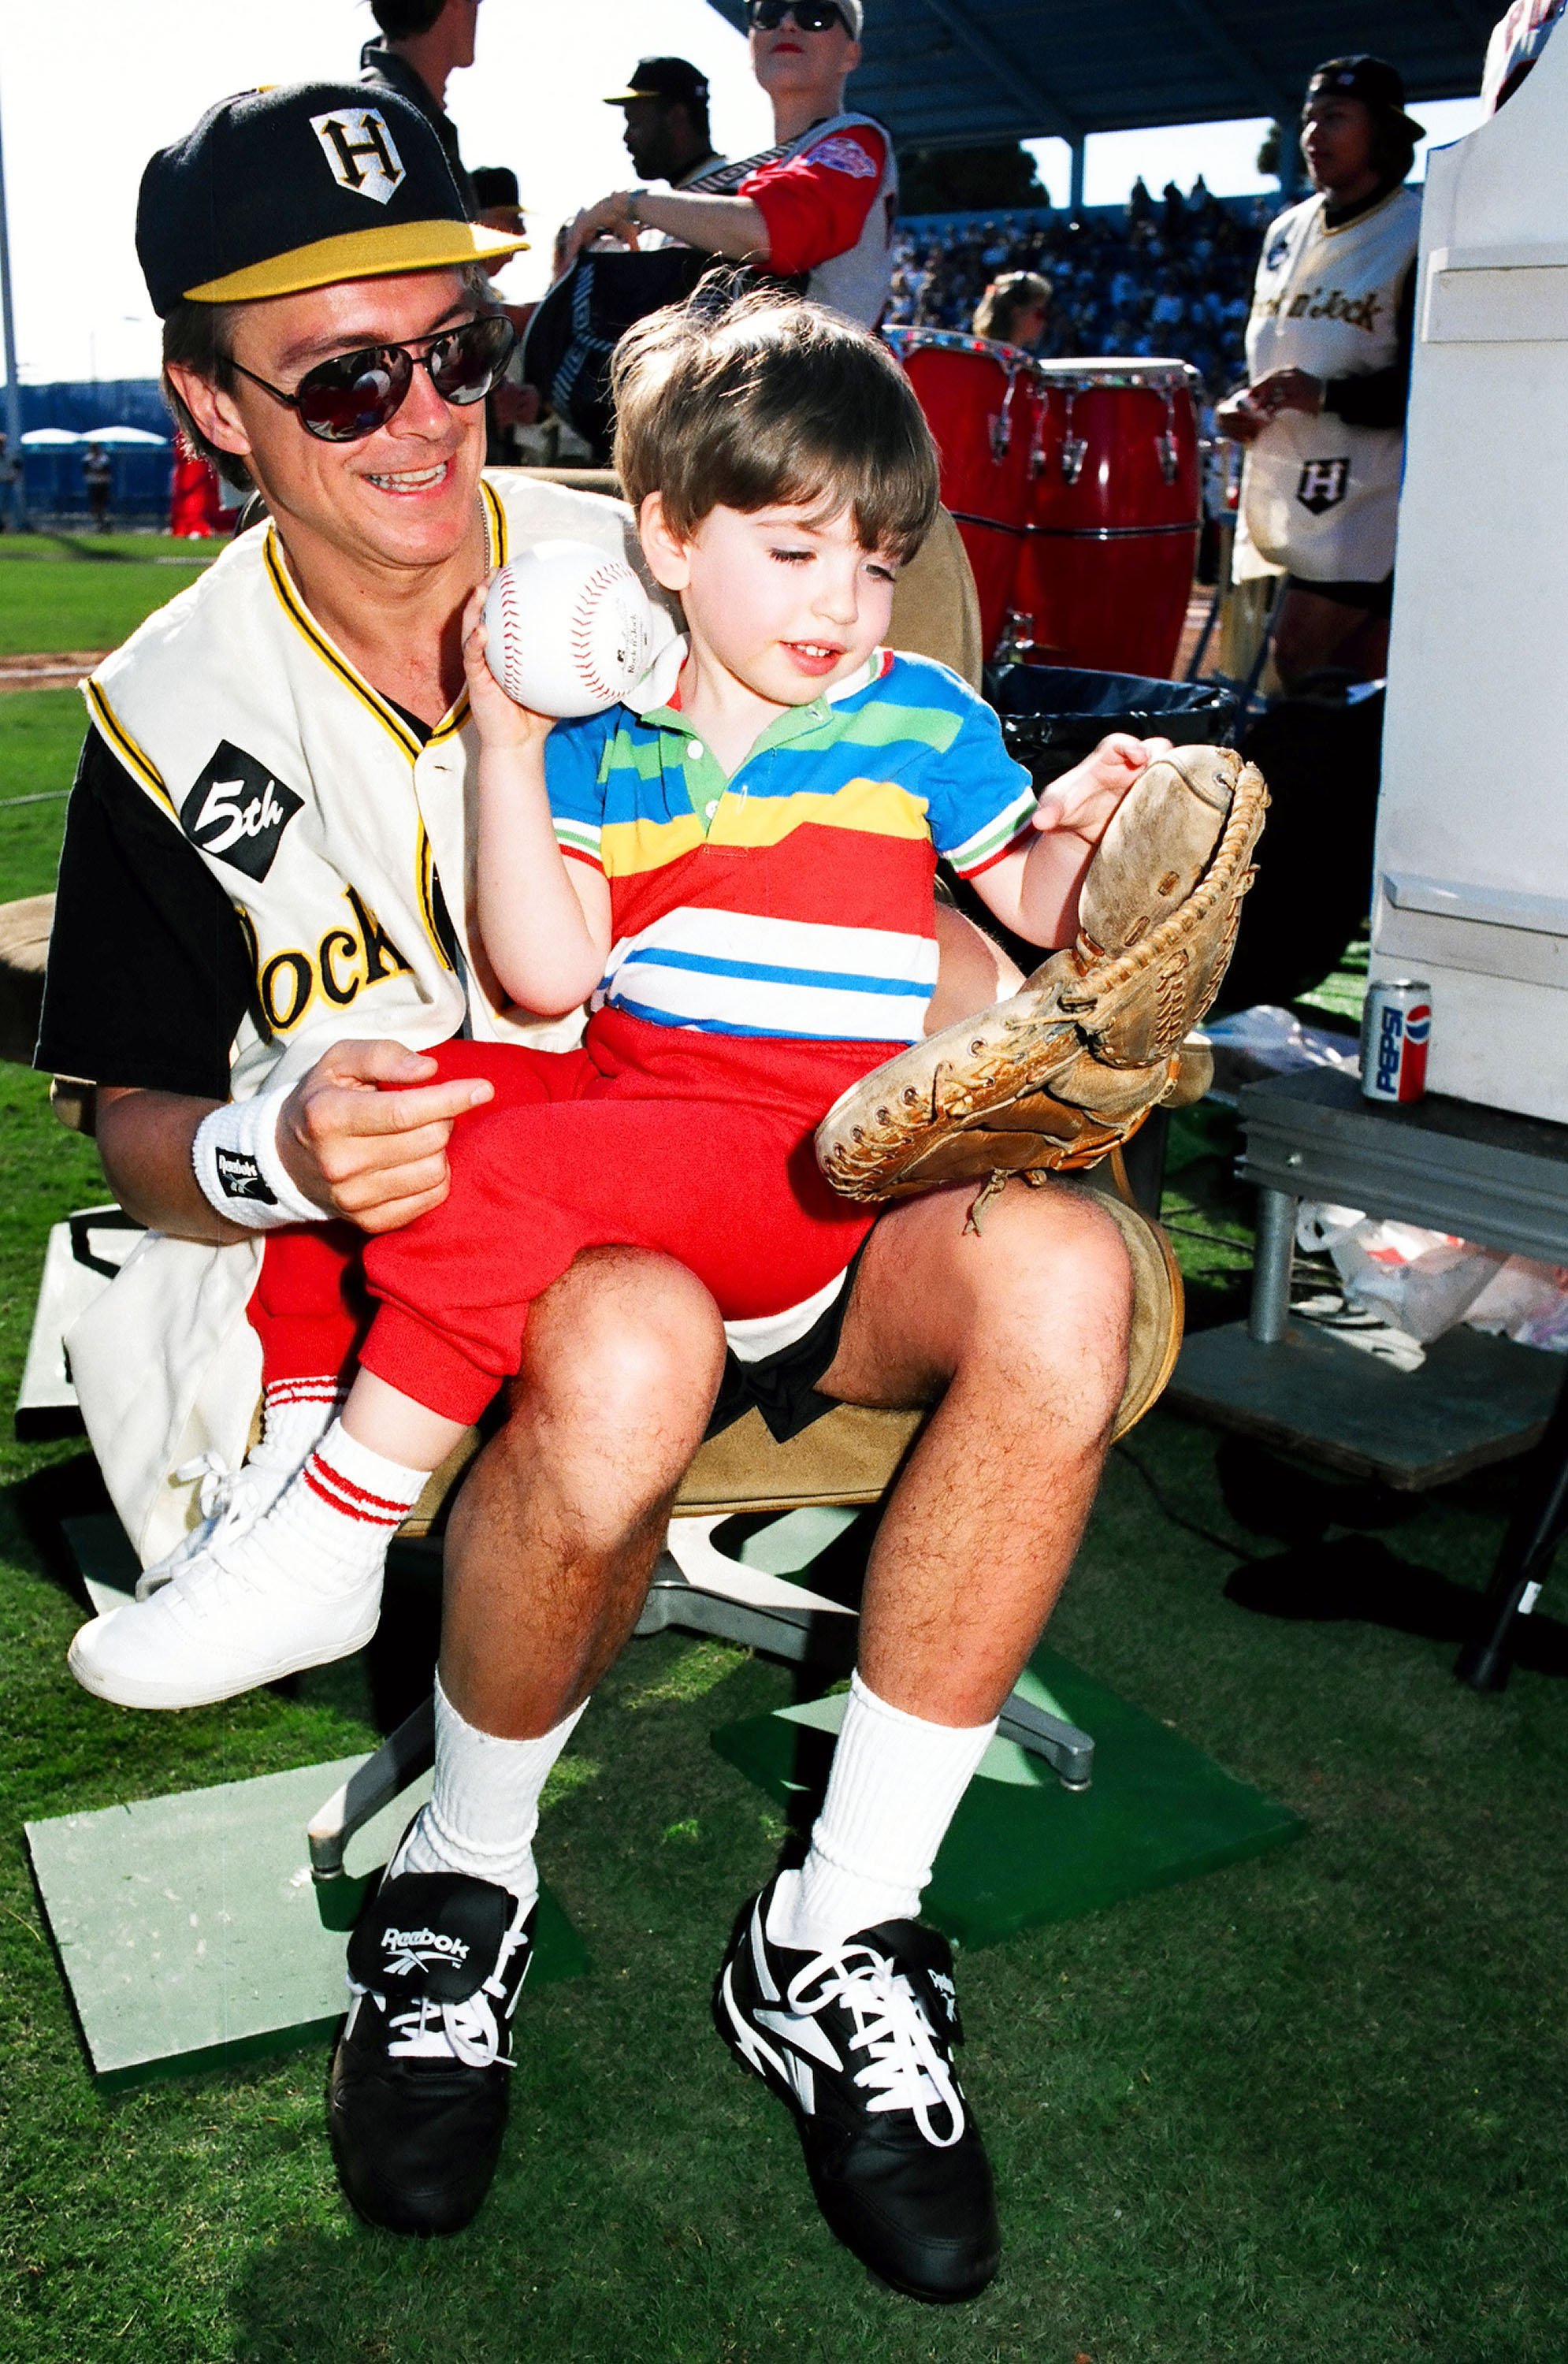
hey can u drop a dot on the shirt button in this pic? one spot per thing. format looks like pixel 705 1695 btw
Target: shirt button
pixel 712 808
pixel 694 750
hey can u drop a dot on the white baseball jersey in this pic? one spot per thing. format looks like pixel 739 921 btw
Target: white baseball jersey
pixel 1320 497
pixel 345 846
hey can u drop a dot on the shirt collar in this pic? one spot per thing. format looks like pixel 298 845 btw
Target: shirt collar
pixel 657 697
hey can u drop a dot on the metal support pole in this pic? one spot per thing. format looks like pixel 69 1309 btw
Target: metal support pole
pixel 1536 1529
pixel 13 390
pixel 1075 187
pixel 1271 1268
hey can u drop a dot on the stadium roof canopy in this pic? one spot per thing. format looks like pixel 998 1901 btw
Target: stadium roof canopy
pixel 956 72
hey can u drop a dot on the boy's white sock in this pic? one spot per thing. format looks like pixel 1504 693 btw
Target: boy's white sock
pixel 893 1789
pixel 296 1415
pixel 484 1810
pixel 333 1522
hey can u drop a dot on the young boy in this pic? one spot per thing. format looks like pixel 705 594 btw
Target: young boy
pixel 739 881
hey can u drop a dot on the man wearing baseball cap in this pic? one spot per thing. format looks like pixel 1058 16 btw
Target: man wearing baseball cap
pixel 819 207
pixel 1329 345
pixel 667 132
pixel 267 854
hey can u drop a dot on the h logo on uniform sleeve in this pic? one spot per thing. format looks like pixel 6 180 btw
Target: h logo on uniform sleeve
pixel 238 812
pixel 1323 485
pixel 362 151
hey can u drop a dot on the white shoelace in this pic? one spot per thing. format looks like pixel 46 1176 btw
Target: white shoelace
pixel 226 1497
pixel 905 2069
pixel 468 2032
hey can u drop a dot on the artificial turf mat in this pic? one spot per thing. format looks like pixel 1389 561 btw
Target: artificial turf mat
pixel 1023 1850
pixel 1306 2111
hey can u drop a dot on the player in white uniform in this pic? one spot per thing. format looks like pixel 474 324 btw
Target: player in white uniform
pixel 264 898
pixel 820 205
pixel 1328 359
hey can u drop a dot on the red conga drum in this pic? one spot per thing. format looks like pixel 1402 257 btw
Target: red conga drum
pixel 1115 512
pixel 975 397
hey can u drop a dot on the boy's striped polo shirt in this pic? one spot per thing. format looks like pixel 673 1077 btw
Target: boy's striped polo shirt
pixel 794 900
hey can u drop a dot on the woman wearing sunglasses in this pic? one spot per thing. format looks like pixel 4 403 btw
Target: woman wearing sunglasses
pixel 819 207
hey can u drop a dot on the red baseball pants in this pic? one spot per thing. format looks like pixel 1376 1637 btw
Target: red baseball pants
pixel 696 1145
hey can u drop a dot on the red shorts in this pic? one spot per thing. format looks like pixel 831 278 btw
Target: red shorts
pixel 698 1146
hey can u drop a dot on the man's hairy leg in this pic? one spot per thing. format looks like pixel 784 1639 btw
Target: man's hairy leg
pixel 554 1537
pixel 1019 1337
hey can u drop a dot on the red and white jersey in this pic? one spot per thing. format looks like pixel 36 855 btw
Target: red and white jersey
pixel 830 202
pixel 1517 40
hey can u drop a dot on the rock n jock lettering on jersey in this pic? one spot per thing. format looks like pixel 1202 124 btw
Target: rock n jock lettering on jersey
pixel 342 845
pixel 1318 496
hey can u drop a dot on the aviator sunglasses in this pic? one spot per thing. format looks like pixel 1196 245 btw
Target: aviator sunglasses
pixel 353 394
pixel 810 16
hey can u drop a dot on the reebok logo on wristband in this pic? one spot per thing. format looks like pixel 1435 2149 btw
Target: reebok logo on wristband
pixel 241 1177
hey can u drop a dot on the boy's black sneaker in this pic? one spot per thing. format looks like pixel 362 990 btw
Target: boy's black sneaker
pixel 857 2041
pixel 417 2098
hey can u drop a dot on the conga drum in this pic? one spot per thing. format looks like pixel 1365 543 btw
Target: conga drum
pixel 975 397
pixel 1114 511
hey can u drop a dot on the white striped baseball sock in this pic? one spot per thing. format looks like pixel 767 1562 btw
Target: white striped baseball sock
pixel 332 1523
pixel 295 1414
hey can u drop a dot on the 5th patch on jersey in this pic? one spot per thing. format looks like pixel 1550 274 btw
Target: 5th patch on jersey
pixel 238 812
pixel 1323 485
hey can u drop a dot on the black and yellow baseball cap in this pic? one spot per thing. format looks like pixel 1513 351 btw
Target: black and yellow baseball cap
pixel 668 78
pixel 276 191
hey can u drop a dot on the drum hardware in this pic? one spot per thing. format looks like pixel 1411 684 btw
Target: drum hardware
pixel 1075 448
pixel 1018 640
pixel 1170 459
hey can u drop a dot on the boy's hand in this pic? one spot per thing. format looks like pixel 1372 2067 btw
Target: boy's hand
pixel 502 722
pixel 1082 801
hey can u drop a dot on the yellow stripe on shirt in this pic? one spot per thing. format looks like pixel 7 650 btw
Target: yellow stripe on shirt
pixel 875 807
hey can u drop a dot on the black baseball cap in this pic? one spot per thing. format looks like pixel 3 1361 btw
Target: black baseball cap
pixel 1372 79
pixel 298 186
pixel 663 78
pixel 494 184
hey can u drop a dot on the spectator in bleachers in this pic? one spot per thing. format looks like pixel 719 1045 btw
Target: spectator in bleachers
pixel 1172 281
pixel 1014 309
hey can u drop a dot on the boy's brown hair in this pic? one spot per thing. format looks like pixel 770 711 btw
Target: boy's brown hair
pixel 771 400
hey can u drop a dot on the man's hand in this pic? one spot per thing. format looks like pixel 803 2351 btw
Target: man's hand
pixel 611 218
pixel 1082 801
pixel 1287 389
pixel 364 1142
pixel 1239 420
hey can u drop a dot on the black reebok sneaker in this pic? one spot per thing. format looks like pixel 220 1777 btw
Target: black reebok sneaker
pixel 858 2041
pixel 416 2099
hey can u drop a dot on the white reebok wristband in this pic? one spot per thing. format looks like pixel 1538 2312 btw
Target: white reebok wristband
pixel 236 1163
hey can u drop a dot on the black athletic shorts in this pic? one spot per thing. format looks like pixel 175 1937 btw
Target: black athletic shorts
pixel 1377 598
pixel 783 1385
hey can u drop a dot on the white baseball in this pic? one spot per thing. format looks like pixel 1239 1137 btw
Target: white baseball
pixel 568 629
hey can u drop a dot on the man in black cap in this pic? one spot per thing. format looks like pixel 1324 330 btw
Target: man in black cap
pixel 422 42
pixel 1329 346
pixel 667 134
pixel 265 916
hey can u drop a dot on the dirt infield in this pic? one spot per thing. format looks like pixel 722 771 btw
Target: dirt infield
pixel 63 669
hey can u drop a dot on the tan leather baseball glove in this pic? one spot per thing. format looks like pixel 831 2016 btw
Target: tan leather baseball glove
pixel 1070 1065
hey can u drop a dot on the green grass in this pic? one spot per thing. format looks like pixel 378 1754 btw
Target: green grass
pixel 1308 2111
pixel 84 591
pixel 40 738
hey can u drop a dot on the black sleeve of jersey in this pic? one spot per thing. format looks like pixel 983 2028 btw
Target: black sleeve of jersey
pixel 1379 397
pixel 150 974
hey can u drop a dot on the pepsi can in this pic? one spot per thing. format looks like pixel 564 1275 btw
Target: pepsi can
pixel 1397 1026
